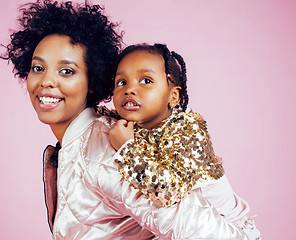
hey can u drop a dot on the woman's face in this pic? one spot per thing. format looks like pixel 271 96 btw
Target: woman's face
pixel 57 82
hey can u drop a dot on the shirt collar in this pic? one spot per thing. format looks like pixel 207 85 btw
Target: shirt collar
pixel 78 125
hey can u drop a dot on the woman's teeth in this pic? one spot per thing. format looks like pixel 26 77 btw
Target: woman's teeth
pixel 49 100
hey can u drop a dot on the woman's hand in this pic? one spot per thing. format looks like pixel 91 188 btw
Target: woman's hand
pixel 120 132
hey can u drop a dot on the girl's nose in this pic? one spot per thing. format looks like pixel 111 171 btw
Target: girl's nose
pixel 48 81
pixel 131 89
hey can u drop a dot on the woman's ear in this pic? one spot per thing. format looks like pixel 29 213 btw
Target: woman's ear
pixel 175 96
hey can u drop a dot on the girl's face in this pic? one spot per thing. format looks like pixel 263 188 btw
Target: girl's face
pixel 57 82
pixel 142 92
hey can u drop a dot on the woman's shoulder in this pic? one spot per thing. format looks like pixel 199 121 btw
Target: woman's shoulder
pixel 105 118
pixel 103 111
pixel 98 129
pixel 95 145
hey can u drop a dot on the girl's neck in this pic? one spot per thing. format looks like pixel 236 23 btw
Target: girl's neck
pixel 156 125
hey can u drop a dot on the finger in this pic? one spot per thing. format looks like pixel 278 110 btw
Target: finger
pixel 121 122
pixel 130 125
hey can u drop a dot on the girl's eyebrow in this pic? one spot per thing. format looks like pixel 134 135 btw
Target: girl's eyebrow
pixel 146 70
pixel 140 71
pixel 37 58
pixel 60 62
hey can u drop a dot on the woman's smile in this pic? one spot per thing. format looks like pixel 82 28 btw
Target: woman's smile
pixel 48 101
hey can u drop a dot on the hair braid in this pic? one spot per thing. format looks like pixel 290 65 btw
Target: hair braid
pixel 166 54
pixel 183 82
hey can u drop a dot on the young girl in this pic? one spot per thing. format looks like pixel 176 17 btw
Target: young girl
pixel 168 152
pixel 66 54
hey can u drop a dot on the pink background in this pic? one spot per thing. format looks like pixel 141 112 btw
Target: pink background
pixel 241 71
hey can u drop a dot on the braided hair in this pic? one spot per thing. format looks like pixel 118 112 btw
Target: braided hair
pixel 175 67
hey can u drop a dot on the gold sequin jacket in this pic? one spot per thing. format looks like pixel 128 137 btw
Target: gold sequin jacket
pixel 165 162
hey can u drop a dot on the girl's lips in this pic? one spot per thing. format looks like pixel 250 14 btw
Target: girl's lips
pixel 130 104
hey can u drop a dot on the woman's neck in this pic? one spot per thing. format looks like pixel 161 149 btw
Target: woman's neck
pixel 59 131
pixel 60 128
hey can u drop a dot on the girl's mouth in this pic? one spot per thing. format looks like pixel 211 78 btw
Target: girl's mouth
pixel 130 104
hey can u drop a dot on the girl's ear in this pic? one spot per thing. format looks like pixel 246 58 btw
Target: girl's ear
pixel 175 96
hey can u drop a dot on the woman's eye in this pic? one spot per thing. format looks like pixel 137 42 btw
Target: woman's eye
pixel 146 81
pixel 37 69
pixel 67 71
pixel 121 83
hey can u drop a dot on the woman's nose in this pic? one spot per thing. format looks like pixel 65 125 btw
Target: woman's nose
pixel 48 81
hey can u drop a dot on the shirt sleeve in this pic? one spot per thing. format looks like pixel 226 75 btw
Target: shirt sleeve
pixel 231 206
pixel 191 218
pixel 165 163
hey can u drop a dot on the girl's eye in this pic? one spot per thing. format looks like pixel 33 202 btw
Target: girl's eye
pixel 67 71
pixel 146 81
pixel 121 83
pixel 37 69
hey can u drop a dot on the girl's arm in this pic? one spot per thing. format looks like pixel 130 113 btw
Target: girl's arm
pixel 166 162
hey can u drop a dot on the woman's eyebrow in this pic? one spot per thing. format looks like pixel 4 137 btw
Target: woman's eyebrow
pixel 60 62
pixel 68 62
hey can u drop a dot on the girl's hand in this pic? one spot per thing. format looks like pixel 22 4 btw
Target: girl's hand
pixel 120 132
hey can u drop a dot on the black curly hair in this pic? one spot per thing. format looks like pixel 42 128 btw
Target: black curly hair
pixel 175 67
pixel 84 24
